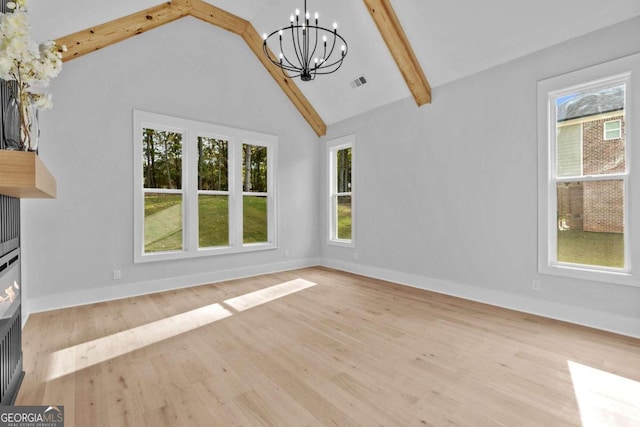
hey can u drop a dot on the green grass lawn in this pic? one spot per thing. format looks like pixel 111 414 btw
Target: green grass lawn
pixel 255 219
pixel 213 221
pixel 163 221
pixel 583 247
pixel 344 219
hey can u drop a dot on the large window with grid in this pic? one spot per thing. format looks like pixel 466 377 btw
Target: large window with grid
pixel 587 198
pixel 201 189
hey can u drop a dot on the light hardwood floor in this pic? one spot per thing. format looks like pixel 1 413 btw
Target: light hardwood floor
pixel 320 347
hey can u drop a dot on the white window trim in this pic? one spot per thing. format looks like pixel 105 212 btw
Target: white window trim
pixel 619 129
pixel 190 130
pixel 333 147
pixel 626 70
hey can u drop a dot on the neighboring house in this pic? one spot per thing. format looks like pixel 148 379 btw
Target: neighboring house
pixel 590 141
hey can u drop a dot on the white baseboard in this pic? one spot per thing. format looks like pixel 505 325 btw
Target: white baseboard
pixel 606 321
pixel 600 320
pixel 90 296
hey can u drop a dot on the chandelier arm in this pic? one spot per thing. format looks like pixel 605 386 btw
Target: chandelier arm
pixel 277 62
pixel 315 47
pixel 265 48
pixel 340 59
pixel 305 44
pixel 333 46
pixel 305 35
pixel 295 42
pixel 319 71
pixel 285 58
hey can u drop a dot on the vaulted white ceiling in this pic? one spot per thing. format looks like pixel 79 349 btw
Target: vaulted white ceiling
pixel 451 39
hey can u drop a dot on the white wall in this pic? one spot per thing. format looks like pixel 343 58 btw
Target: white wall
pixel 188 68
pixel 447 193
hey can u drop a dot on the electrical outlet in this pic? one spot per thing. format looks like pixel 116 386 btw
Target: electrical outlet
pixel 535 285
pixel 117 274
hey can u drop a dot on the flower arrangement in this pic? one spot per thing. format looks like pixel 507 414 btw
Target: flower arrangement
pixel 30 65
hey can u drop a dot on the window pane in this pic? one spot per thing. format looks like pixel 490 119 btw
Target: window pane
pixel 343 170
pixel 255 227
pixel 344 218
pixel 569 146
pixel 612 129
pixel 212 164
pixel 591 223
pixel 162 222
pixel 593 109
pixel 254 168
pixel 162 159
pixel 213 221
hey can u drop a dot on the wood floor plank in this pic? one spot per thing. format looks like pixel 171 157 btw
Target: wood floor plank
pixel 319 347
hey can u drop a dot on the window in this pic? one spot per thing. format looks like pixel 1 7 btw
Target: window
pixel 341 206
pixel 585 186
pixel 201 189
pixel 163 195
pixel 612 130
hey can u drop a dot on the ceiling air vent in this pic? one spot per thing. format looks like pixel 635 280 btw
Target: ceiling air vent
pixel 358 82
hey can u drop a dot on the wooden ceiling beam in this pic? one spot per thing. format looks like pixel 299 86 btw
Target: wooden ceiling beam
pixel 219 17
pixel 394 36
pixel 115 31
pixel 103 35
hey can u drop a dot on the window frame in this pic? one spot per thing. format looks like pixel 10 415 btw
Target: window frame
pixel 333 146
pixel 625 70
pixel 619 130
pixel 191 130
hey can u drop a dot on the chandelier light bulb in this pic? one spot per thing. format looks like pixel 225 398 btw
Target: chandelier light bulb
pixel 335 25
pixel 279 33
pixel 291 18
pixel 297 12
pixel 264 36
pixel 307 15
pixel 316 16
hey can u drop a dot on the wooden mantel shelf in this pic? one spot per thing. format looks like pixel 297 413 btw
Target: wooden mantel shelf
pixel 23 175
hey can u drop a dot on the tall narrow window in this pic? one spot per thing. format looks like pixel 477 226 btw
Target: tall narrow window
pixel 255 194
pixel 585 185
pixel 341 191
pixel 163 195
pixel 213 192
pixel 590 176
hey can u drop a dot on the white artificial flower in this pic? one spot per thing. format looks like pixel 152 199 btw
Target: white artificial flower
pixel 31 65
pixel 42 101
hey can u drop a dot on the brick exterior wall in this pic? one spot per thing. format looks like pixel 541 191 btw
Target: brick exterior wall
pixel 603 201
pixel 603 207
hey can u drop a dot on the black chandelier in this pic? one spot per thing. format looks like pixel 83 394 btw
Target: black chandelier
pixel 305 49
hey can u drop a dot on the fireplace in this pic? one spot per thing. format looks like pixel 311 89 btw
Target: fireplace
pixel 10 328
pixel 11 373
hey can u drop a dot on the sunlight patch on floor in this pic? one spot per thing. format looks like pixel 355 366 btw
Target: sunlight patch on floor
pixel 262 296
pixel 605 399
pixel 90 353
